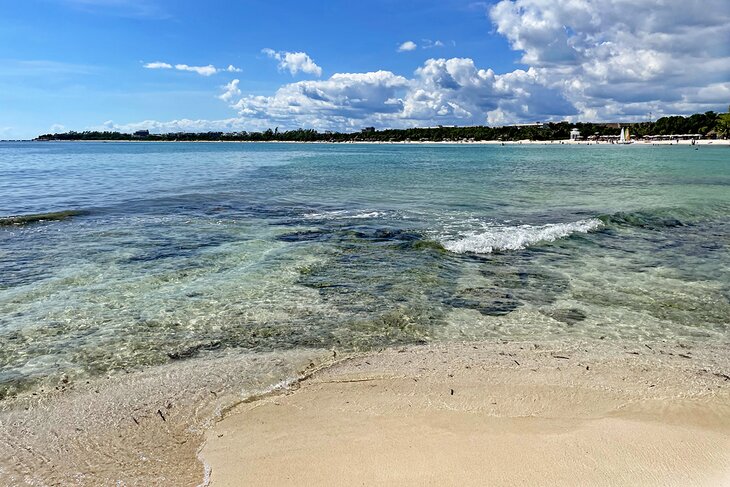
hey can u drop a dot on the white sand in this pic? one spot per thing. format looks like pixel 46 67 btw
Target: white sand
pixel 567 413
pixel 517 416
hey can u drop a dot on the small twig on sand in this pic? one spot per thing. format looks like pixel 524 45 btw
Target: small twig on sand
pixel 339 381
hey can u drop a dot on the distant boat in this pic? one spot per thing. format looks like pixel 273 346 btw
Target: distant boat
pixel 625 137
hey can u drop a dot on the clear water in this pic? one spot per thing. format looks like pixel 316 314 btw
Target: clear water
pixel 182 249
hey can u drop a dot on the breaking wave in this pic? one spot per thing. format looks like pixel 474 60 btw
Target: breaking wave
pixel 345 214
pixel 496 238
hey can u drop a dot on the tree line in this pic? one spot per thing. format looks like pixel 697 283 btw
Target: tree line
pixel 706 124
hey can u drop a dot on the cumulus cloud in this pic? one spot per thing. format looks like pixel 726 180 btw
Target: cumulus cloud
pixel 620 57
pixel 294 62
pixel 441 91
pixel 342 100
pixel 208 70
pixel 585 60
pixel 407 46
pixel 231 91
pixel 450 91
pixel 157 65
pixel 455 90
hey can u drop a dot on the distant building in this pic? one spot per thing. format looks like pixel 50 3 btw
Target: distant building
pixel 524 125
pixel 574 134
pixel 142 133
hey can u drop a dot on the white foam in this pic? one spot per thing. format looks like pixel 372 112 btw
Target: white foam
pixel 500 237
pixel 342 214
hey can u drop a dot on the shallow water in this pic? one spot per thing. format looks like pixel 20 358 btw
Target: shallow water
pixel 130 255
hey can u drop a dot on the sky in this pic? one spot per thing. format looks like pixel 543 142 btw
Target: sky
pixel 189 65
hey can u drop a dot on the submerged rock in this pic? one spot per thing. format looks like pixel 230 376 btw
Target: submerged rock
pixel 39 217
pixel 569 316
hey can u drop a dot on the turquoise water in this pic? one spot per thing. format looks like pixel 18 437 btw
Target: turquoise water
pixel 168 251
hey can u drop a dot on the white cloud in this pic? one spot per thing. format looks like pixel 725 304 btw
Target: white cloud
pixel 442 91
pixel 342 100
pixel 294 62
pixel 407 46
pixel 623 59
pixel 586 60
pixel 430 44
pixel 456 91
pixel 446 91
pixel 231 91
pixel 57 128
pixel 208 70
pixel 183 125
pixel 157 65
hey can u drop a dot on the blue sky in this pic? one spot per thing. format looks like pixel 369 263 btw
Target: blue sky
pixel 128 64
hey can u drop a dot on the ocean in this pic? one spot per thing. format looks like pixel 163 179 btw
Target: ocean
pixel 122 256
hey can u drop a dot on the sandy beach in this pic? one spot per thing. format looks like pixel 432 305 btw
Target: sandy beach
pixel 700 142
pixel 472 413
pixel 489 414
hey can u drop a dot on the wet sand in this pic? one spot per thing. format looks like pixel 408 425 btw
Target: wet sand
pixel 142 428
pixel 489 414
pixel 497 413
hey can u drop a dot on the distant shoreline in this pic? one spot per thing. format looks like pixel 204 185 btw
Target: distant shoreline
pixel 697 142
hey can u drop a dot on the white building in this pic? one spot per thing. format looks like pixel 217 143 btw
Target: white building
pixel 574 134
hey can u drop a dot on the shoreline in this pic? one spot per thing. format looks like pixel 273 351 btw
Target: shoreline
pixel 164 424
pixel 699 142
pixel 141 427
